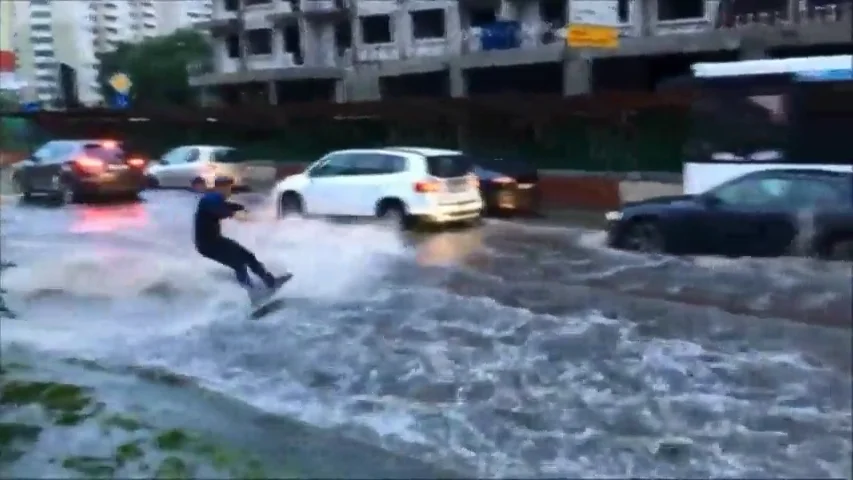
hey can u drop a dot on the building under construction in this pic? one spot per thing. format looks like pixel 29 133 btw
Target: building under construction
pixel 280 51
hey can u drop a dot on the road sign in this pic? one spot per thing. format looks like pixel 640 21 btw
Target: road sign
pixel 121 83
pixel 30 107
pixel 121 100
pixel 592 36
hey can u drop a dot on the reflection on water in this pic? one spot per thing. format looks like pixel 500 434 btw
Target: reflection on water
pixel 449 248
pixel 100 219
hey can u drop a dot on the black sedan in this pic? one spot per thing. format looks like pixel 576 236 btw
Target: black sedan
pixel 69 170
pixel 508 186
pixel 766 213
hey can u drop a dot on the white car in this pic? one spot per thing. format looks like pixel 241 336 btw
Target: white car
pixel 399 184
pixel 180 166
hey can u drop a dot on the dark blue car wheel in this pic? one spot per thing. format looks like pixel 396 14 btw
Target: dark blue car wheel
pixel 643 236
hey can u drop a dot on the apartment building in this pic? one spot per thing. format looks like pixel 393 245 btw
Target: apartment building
pixel 49 34
pixel 366 49
pixel 8 79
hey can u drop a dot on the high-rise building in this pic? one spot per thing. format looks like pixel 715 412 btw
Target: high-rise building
pixel 7 56
pixel 47 34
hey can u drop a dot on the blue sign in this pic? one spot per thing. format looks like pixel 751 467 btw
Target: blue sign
pixel 121 100
pixel 30 107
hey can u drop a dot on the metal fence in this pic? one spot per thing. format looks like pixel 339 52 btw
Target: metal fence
pixel 632 140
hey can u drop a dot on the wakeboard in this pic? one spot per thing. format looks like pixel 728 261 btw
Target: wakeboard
pixel 265 301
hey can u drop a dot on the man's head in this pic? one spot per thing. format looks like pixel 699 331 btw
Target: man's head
pixel 198 185
pixel 223 185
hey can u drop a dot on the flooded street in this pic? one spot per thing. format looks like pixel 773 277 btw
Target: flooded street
pixel 509 350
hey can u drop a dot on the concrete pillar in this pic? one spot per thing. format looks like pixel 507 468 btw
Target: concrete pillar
pixel 648 10
pixel 359 84
pixel 458 85
pixel 341 91
pixel 453 27
pixel 204 97
pixel 577 76
pixel 794 11
pixel 272 93
pixel 401 29
pixel 278 46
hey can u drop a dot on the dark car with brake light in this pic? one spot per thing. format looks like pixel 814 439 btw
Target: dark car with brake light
pixel 69 170
pixel 766 213
pixel 508 185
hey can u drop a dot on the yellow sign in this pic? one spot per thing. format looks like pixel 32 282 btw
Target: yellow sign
pixel 121 83
pixel 592 36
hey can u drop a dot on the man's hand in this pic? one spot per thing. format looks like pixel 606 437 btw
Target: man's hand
pixel 242 216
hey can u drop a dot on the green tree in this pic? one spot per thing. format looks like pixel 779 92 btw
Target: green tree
pixel 157 68
pixel 8 101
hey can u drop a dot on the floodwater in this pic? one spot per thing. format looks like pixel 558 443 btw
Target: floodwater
pixel 505 350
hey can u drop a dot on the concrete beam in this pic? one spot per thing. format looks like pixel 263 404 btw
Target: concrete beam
pixel 266 75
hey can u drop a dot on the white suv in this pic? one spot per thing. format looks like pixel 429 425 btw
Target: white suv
pixel 400 184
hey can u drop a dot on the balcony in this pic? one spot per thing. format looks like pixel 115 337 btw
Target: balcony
pixel 284 13
pixel 791 23
pixel 732 25
pixel 289 11
pixel 326 9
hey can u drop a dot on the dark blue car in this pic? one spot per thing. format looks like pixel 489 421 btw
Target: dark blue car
pixel 766 213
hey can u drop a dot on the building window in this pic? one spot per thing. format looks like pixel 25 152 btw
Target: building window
pixel 231 5
pixel 428 24
pixel 376 29
pixel 260 41
pixel 250 3
pixel 623 10
pixel 232 46
pixel 680 9
pixel 480 17
pixel 343 35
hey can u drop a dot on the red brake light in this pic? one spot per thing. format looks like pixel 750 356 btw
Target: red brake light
pixel 89 165
pixel 136 162
pixel 427 186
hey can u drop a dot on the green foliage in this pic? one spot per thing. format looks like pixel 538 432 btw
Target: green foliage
pixel 8 101
pixel 157 67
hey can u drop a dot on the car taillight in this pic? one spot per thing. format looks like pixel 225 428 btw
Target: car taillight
pixel 429 186
pixel 473 181
pixel 136 162
pixel 89 165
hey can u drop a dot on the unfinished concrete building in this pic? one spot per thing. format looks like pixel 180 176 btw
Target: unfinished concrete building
pixel 279 51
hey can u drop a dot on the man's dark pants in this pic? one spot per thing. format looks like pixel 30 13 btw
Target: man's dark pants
pixel 237 257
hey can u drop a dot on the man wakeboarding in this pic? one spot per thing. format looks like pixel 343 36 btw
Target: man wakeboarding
pixel 213 207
